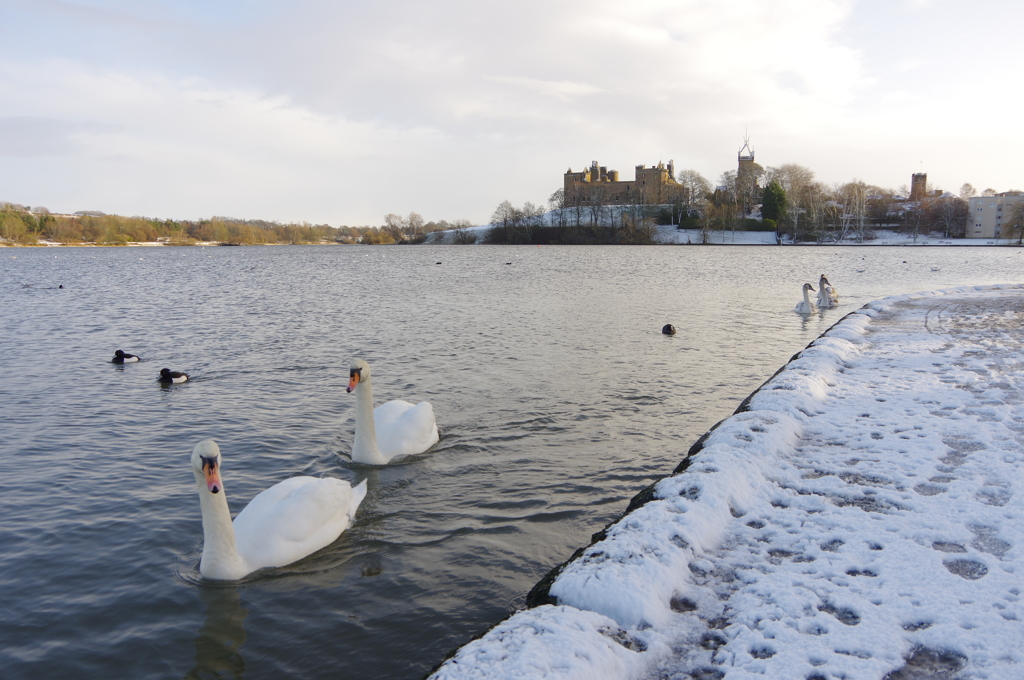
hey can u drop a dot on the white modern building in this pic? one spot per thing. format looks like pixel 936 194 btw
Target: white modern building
pixel 986 214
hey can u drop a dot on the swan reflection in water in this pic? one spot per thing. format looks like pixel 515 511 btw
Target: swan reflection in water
pixel 220 640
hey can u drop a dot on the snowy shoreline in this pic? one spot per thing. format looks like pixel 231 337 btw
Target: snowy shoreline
pixel 667 235
pixel 857 517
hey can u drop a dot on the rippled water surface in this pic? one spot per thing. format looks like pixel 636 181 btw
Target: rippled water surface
pixel 556 395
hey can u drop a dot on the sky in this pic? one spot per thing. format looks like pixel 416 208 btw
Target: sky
pixel 339 112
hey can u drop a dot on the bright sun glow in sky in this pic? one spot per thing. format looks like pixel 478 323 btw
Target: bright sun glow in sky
pixel 338 112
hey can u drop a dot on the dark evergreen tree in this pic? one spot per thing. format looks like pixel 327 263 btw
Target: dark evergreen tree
pixel 773 203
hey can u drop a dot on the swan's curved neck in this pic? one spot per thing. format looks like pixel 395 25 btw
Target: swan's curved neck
pixel 807 299
pixel 220 554
pixel 364 448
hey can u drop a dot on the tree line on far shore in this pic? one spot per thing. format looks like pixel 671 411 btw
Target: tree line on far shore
pixel 22 225
pixel 785 199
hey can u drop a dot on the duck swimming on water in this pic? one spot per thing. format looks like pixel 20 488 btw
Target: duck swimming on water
pixel 167 376
pixel 121 357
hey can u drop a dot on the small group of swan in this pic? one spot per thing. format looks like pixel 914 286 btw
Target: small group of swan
pixel 301 515
pixel 167 376
pixel 827 297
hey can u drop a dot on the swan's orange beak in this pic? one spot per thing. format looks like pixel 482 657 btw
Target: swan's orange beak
pixel 353 380
pixel 213 482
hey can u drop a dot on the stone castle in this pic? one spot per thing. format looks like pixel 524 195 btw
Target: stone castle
pixel 652 186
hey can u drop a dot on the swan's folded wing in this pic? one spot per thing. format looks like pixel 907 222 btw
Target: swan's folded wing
pixel 404 429
pixel 293 519
pixel 387 414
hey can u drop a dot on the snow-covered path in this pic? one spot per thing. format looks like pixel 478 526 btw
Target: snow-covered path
pixel 862 518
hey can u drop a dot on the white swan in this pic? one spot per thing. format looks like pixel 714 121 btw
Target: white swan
pixel 827 295
pixel 806 307
pixel 393 429
pixel 279 526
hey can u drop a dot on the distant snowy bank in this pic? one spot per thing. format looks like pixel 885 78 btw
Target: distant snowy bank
pixel 859 517
pixel 669 235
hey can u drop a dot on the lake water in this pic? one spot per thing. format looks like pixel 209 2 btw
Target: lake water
pixel 556 395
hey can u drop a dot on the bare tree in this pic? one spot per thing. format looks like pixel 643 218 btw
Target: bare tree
pixel 855 195
pixel 967 192
pixel 533 215
pixel 949 213
pixel 394 226
pixel 643 232
pixel 503 222
pixel 833 221
pixel 913 218
pixel 515 225
pixel 795 180
pixel 718 215
pixel 749 187
pixel 438 232
pixel 639 208
pixel 880 205
pixel 578 201
pixel 817 216
pixel 1014 225
pixel 727 184
pixel 414 224
pixel 556 201
pixel 461 235
pixel 695 188
pixel 596 204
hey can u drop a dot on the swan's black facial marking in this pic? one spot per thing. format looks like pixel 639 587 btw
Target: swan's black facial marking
pixel 354 376
pixel 210 469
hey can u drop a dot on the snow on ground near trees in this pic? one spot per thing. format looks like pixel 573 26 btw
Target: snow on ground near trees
pixel 880 237
pixel 669 235
pixel 863 519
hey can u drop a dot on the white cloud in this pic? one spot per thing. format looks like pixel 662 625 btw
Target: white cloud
pixel 564 90
pixel 343 112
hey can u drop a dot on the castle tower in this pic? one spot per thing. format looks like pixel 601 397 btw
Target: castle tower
pixel 918 186
pixel 746 160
